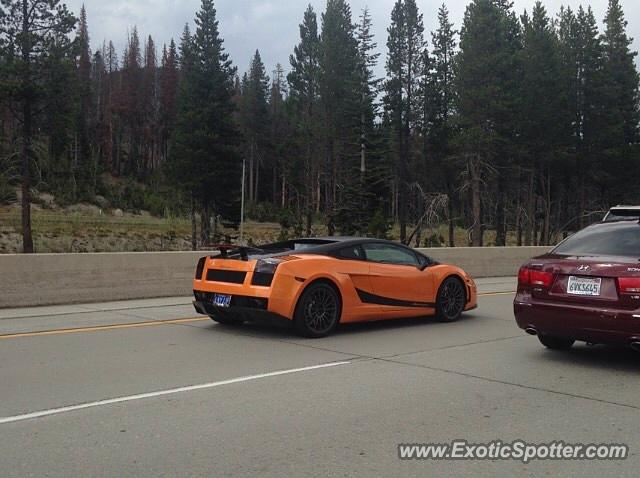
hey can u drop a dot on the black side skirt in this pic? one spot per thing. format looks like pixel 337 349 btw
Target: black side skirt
pixel 369 298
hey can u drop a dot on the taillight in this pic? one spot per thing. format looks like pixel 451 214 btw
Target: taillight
pixel 533 277
pixel 264 271
pixel 524 276
pixel 545 279
pixel 200 268
pixel 629 285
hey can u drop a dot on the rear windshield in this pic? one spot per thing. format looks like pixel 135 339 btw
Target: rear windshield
pixel 624 215
pixel 622 240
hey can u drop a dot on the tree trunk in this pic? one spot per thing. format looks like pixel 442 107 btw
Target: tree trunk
pixel 531 211
pixel 251 162
pixel 546 232
pixel 452 235
pixel 476 206
pixel 194 227
pixel 27 238
pixel 501 230
pixel 205 225
pixel 255 194
pixel 363 144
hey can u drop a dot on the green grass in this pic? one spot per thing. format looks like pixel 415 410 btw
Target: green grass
pixel 55 231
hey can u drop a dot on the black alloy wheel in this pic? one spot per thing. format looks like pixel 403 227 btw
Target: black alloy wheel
pixel 318 311
pixel 452 298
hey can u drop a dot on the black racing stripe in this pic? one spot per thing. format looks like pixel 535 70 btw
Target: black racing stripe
pixel 369 298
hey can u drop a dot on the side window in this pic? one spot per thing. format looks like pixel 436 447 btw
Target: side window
pixel 354 253
pixel 390 254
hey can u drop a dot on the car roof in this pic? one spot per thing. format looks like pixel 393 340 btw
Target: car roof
pixel 613 225
pixel 622 213
pixel 316 246
pixel 631 208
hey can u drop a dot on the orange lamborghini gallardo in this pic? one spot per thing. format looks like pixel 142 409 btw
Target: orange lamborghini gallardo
pixel 315 284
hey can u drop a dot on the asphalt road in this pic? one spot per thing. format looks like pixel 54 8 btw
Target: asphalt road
pixel 154 396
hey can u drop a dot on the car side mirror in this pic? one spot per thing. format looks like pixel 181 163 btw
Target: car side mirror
pixel 427 263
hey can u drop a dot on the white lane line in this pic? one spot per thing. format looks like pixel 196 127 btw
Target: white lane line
pixel 161 393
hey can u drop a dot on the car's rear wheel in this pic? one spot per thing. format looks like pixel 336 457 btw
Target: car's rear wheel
pixel 318 311
pixel 451 300
pixel 556 343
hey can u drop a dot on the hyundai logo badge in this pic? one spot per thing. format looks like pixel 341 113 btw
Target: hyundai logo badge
pixel 584 268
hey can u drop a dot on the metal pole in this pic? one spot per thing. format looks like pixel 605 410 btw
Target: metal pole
pixel 242 205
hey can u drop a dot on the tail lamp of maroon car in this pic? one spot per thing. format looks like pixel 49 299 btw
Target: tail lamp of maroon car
pixel 629 285
pixel 528 277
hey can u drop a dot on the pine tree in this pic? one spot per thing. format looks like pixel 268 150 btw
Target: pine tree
pixel 204 159
pixel 169 74
pixel 255 121
pixel 150 108
pixel 363 195
pixel 369 84
pixel 83 169
pixel 405 68
pixel 622 78
pixel 622 108
pixel 109 117
pixel 582 54
pixel 27 28
pixel 58 124
pixel 279 136
pixel 487 84
pixel 131 108
pixel 339 99
pixel 304 96
pixel 543 103
pixel 439 95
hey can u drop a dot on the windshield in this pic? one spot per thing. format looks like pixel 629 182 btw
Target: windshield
pixel 622 240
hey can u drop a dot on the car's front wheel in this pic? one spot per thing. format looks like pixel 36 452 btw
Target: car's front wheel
pixel 451 300
pixel 556 343
pixel 318 311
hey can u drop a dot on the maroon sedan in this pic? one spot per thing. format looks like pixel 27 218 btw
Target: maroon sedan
pixel 586 289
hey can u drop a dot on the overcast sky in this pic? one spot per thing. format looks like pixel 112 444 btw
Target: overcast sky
pixel 272 25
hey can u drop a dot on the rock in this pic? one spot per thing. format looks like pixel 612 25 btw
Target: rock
pixel 47 200
pixel 102 202
pixel 83 209
pixel 118 213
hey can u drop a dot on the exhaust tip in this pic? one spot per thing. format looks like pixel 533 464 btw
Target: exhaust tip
pixel 532 331
pixel 635 345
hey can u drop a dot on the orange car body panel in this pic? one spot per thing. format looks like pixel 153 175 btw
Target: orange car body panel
pixel 296 272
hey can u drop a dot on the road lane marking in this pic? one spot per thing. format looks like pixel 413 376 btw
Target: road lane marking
pixel 162 393
pixel 150 323
pixel 98 328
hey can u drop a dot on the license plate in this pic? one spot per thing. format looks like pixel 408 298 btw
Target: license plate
pixel 584 286
pixel 220 300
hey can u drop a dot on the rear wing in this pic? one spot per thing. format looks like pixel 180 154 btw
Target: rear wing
pixel 226 250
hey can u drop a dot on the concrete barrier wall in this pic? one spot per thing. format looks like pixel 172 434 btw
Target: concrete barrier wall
pixel 48 279
pixel 486 261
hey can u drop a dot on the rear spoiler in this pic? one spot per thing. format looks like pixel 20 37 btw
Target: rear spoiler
pixel 226 248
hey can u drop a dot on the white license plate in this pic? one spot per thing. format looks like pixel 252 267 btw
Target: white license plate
pixel 584 286
pixel 220 300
